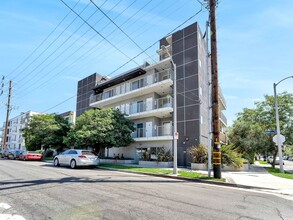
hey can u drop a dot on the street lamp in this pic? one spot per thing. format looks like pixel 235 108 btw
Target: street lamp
pixel 278 124
pixel 175 133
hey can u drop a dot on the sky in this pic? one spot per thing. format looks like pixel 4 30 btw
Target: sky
pixel 45 48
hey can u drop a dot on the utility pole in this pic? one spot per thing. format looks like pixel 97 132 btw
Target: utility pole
pixel 215 92
pixel 208 100
pixel 7 115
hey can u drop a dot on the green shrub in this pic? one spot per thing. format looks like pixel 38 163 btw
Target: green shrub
pixel 163 156
pixel 146 156
pixel 231 157
pixel 198 154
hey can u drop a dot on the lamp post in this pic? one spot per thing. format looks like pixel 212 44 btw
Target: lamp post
pixel 278 124
pixel 175 133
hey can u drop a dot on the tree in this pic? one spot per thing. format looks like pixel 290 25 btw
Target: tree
pixel 47 130
pixel 101 128
pixel 248 131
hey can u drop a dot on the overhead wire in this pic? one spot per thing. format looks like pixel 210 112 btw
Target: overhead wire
pixel 75 61
pixel 46 38
pixel 54 51
pixel 132 40
pixel 51 43
pixel 102 36
pixel 173 30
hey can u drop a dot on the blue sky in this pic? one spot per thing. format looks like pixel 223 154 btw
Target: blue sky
pixel 254 46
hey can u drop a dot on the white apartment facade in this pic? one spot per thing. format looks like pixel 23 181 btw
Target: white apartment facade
pixel 14 138
pixel 145 95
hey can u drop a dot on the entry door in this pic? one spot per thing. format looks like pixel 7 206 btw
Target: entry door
pixel 149 130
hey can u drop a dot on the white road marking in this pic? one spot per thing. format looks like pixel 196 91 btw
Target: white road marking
pixel 5 206
pixel 11 217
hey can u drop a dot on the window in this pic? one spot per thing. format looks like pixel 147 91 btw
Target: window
pixel 66 152
pixel 108 94
pixel 137 84
pixel 72 152
pixel 139 130
pixel 200 91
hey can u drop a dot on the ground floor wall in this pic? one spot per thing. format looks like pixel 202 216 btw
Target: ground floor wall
pixel 135 150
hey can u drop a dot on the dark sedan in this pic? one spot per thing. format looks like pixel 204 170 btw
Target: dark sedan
pixel 14 154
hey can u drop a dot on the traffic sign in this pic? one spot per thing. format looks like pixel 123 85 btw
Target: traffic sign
pixel 282 139
pixel 270 131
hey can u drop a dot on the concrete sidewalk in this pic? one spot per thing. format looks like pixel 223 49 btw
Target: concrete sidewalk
pixel 259 178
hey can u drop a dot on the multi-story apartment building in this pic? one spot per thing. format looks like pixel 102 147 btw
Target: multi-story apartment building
pixel 69 116
pixel 14 138
pixel 145 95
pixel 84 91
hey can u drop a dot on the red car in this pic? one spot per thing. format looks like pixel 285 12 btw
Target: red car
pixel 30 155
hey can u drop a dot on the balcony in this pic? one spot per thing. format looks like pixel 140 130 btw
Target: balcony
pixel 158 82
pixel 160 108
pixel 156 133
pixel 223 119
pixel 223 105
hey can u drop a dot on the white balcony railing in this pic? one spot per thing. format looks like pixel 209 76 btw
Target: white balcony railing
pixel 140 107
pixel 155 131
pixel 134 85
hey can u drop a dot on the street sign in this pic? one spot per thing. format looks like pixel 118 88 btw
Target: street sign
pixel 270 131
pixel 176 135
pixel 282 139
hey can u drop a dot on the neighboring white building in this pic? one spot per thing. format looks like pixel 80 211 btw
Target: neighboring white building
pixel 14 139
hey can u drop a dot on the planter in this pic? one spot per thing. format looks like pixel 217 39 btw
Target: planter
pixel 245 167
pixel 114 161
pixel 155 164
pixel 199 166
pixel 203 166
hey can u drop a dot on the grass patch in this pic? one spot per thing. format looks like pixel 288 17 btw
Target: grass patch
pixel 195 175
pixel 276 172
pixel 262 162
pixel 137 169
pixel 187 174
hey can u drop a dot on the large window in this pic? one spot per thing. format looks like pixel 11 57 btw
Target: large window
pixel 137 84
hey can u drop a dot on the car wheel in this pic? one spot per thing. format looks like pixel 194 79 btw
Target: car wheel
pixel 56 162
pixel 73 164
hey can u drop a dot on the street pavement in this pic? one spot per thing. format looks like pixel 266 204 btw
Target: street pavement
pixel 37 190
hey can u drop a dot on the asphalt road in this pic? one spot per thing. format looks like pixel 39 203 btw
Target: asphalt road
pixel 37 190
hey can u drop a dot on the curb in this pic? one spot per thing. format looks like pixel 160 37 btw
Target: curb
pixel 173 177
pixel 233 185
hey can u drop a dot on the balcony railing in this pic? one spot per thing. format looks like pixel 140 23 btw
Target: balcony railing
pixel 156 131
pixel 134 85
pixel 138 107
pixel 223 118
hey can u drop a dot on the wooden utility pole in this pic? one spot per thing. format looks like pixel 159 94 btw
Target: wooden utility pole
pixel 7 115
pixel 215 92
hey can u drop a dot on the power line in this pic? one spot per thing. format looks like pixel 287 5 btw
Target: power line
pixel 138 55
pixel 74 62
pixel 120 27
pixel 59 103
pixel 58 48
pixel 98 32
pixel 30 55
pixel 49 47
pixel 157 41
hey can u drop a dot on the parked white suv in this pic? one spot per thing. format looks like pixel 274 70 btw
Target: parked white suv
pixel 75 158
